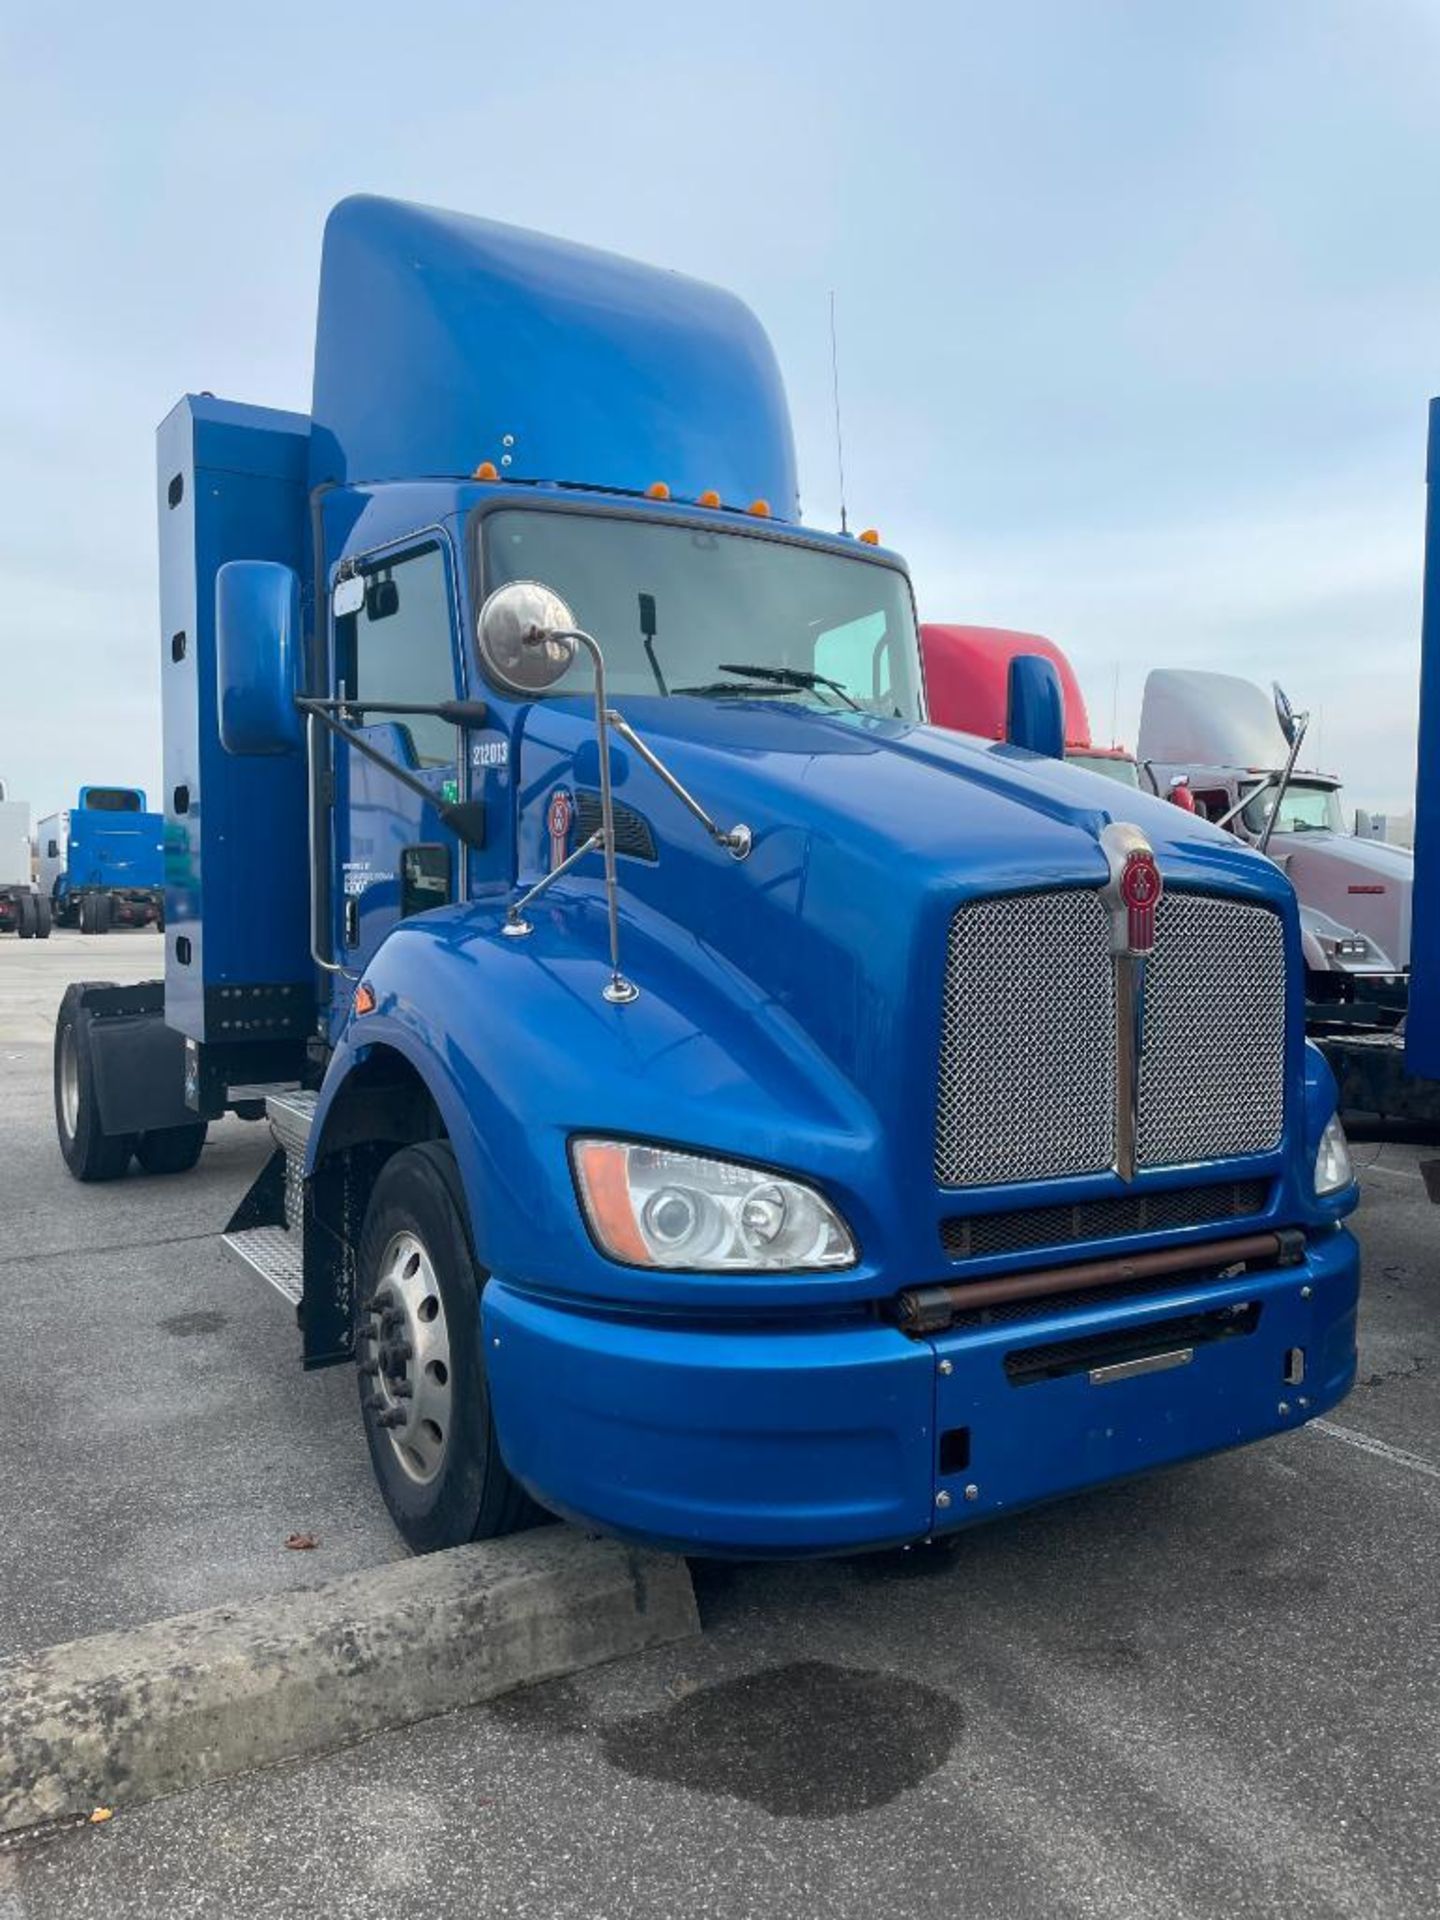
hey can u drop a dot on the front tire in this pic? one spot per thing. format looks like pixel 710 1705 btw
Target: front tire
pixel 423 1393
pixel 88 1151
pixel 43 916
pixel 26 927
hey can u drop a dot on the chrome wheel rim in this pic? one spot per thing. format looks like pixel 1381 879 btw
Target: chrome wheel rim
pixel 407 1361
pixel 69 1082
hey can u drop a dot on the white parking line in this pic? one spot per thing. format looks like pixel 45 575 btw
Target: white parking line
pixel 1397 1456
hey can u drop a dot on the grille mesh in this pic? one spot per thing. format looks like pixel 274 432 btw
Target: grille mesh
pixel 1028 1053
pixel 1212 1077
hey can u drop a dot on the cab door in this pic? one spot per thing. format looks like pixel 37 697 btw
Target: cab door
pixel 394 859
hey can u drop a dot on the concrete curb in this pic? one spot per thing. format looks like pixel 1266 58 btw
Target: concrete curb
pixel 127 1716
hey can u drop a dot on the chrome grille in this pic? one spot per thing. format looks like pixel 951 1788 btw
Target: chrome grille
pixel 1212 1076
pixel 1027 1077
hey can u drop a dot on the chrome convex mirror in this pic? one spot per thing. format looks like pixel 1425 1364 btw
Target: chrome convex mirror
pixel 1285 713
pixel 527 636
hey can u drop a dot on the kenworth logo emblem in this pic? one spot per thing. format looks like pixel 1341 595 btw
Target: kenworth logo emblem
pixel 1132 894
pixel 558 817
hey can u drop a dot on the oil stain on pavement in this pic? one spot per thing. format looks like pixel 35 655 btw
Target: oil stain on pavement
pixel 810 1740
pixel 182 1325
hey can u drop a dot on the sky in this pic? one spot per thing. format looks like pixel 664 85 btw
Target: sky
pixel 1138 300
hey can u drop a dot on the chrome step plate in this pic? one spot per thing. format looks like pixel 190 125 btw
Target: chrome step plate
pixel 272 1253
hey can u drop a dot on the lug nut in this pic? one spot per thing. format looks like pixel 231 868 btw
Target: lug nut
pixel 392 1417
pixel 401 1390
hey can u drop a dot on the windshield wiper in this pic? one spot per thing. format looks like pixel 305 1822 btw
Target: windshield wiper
pixel 716 689
pixel 797 677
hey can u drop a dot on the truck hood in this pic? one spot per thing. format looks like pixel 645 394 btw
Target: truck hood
pixel 867 835
pixel 1364 884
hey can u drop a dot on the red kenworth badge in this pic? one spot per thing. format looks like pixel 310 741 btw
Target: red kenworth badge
pixel 1133 890
pixel 1140 889
pixel 558 817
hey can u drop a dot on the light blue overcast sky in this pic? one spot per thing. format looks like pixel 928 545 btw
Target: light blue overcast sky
pixel 1139 299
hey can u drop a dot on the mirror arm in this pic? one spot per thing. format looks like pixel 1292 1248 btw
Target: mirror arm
pixel 1302 722
pixel 452 813
pixel 460 713
pixel 736 841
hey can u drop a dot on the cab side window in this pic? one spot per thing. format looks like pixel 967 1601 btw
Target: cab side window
pixel 400 646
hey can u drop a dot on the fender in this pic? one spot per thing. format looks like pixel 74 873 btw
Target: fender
pixel 519 1052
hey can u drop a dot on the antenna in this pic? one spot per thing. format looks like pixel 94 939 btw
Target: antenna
pixel 1115 708
pixel 835 388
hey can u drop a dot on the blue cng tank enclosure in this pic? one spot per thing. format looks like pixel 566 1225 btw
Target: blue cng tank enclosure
pixel 445 341
pixel 1422 1024
pixel 231 486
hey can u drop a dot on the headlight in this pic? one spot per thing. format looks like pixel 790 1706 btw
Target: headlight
pixel 1333 1168
pixel 652 1207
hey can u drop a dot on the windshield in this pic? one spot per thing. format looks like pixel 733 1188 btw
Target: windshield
pixel 1303 810
pixel 687 610
pixel 1114 766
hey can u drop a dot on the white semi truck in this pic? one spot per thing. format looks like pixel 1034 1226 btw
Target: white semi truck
pixel 1218 744
pixel 22 909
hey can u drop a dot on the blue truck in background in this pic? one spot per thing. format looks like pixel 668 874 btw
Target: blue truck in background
pixel 708 1102
pixel 102 861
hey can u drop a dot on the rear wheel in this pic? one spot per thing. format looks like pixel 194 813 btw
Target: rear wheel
pixel 171 1149
pixel 89 1152
pixel 43 917
pixel 423 1393
pixel 26 928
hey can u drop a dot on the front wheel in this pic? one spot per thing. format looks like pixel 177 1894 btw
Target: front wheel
pixel 423 1393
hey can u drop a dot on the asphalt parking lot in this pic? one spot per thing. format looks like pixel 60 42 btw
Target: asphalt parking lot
pixel 1209 1693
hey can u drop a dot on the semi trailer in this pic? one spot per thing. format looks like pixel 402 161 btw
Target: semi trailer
pixel 707 1101
pixel 102 861
pixel 22 909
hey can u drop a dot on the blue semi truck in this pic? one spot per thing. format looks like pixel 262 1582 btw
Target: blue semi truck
pixel 102 861
pixel 707 1102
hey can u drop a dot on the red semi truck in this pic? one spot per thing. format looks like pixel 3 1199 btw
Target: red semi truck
pixel 967 676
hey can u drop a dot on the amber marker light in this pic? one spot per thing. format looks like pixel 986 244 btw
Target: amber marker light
pixel 657 490
pixel 760 509
pixel 364 1001
pixel 487 470
pixel 871 537
pixel 601 1167
pixel 709 498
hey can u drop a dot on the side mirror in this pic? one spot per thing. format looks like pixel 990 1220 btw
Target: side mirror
pixel 524 636
pixel 1285 713
pixel 1035 706
pixel 257 649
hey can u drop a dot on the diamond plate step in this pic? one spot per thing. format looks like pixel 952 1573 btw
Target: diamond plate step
pixel 272 1253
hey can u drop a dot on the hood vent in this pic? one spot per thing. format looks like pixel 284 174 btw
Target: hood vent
pixel 633 837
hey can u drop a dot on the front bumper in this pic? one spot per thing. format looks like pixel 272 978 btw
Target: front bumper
pixel 793 1439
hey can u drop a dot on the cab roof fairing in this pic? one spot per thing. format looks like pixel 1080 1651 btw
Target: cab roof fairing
pixel 443 341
